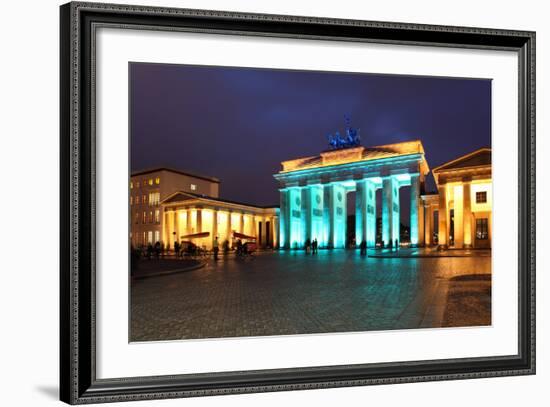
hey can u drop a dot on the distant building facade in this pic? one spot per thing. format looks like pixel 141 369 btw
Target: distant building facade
pixel 147 191
pixel 463 202
pixel 168 205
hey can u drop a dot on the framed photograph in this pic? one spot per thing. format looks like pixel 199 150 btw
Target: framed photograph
pixel 254 203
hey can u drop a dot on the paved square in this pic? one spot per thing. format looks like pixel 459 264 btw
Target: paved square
pixel 284 293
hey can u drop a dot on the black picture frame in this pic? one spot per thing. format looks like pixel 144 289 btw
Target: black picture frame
pixel 78 382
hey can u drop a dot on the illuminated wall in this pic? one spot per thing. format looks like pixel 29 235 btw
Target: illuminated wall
pixel 316 213
pixel 339 216
pixel 360 211
pixel 223 229
pixel 390 211
pixel 481 187
pixel 371 213
pixel 295 209
pixel 415 201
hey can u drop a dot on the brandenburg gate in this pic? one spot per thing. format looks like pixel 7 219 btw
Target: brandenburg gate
pixel 313 194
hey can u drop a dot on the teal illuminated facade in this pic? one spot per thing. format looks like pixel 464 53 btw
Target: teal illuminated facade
pixel 313 195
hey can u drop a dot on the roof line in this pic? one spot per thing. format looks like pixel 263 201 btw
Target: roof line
pixel 189 174
pixel 210 198
pixel 461 158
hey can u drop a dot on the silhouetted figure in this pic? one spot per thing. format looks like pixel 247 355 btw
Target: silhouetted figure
pixel 177 248
pixel 396 245
pixel 363 248
pixel 157 250
pixel 239 247
pixel 149 251
pixel 314 246
pixel 308 245
pixel 216 249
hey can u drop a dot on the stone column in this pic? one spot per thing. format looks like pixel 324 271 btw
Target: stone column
pixel 370 224
pixel 390 211
pixel 459 217
pixel 199 221
pixel 421 223
pixel 339 216
pixel 328 214
pixel 360 212
pixel 442 214
pixel 306 213
pixel 467 209
pixel 214 227
pixel 241 223
pixel 176 225
pixel 229 232
pixel 275 229
pixel 429 218
pixel 284 221
pixel 414 215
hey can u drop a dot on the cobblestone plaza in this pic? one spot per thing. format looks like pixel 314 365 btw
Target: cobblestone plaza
pixel 286 293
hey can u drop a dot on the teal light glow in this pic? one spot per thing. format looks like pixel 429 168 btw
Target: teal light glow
pixel 403 177
pixel 370 193
pixel 415 196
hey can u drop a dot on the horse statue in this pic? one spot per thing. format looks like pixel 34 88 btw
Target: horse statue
pixel 351 139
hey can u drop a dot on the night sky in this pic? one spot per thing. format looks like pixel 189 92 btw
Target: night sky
pixel 238 124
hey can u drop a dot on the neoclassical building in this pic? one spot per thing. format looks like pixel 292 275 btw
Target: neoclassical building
pixel 463 202
pixel 206 220
pixel 169 205
pixel 313 194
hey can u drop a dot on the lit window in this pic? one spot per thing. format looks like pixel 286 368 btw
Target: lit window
pixel 144 220
pixel 154 198
pixel 482 229
pixel 151 217
pixel 157 180
pixel 193 187
pixel 151 181
pixel 131 200
pixel 131 185
pixel 144 199
pixel 481 197
pixel 157 236
pixel 157 216
pixel 137 199
pixel 137 184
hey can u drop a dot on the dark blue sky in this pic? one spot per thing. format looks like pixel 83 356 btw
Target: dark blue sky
pixel 238 124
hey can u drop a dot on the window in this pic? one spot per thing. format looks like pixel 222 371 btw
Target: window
pixel 144 219
pixel 137 184
pixel 157 216
pixel 150 237
pixel 131 185
pixel 131 200
pixel 157 180
pixel 137 199
pixel 137 218
pixel 193 187
pixel 482 229
pixel 481 197
pixel 157 236
pixel 154 198
pixel 150 181
pixel 151 217
pixel 144 199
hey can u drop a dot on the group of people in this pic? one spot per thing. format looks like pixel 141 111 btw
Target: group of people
pixel 312 246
